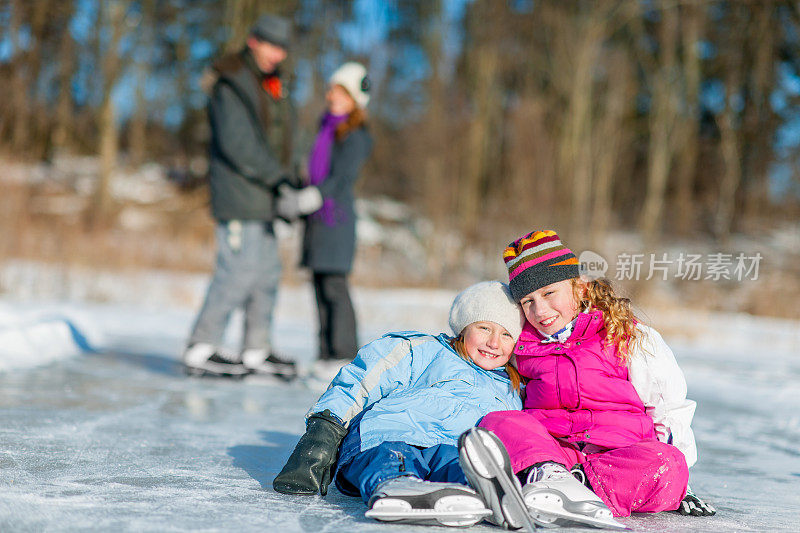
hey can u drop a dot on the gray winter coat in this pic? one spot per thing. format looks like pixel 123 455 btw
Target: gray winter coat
pixel 250 141
pixel 330 248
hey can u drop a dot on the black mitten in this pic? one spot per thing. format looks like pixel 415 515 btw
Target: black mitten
pixel 692 505
pixel 310 467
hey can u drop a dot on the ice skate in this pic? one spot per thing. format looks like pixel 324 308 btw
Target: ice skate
pixel 556 498
pixel 257 361
pixel 487 466
pixel 410 500
pixel 204 359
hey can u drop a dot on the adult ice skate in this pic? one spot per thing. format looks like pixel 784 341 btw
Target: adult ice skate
pixel 259 362
pixel 203 359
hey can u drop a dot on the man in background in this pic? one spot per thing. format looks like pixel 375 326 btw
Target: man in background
pixel 249 153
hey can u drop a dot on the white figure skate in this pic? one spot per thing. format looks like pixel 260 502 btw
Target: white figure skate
pixel 487 466
pixel 556 498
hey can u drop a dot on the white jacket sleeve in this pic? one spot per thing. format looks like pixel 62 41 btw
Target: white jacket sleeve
pixel 658 379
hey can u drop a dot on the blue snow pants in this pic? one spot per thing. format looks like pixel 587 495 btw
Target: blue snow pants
pixel 368 469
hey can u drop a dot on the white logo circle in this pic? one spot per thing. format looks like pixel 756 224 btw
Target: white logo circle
pixel 592 265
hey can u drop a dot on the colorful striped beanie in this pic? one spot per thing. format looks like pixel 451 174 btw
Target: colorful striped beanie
pixel 536 260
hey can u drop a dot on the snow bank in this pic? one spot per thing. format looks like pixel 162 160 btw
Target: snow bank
pixel 30 339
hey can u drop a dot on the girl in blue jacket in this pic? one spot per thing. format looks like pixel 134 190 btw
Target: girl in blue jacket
pixel 398 409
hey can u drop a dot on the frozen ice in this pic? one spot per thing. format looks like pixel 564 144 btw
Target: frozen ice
pixel 101 430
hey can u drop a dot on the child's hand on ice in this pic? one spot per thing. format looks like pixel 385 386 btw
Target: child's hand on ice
pixel 692 505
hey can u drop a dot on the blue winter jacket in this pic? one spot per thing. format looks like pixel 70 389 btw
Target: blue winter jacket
pixel 413 388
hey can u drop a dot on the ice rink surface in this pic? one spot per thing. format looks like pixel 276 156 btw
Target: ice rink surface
pixel 118 439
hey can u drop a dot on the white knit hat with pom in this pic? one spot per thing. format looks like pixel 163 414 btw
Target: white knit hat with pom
pixel 353 77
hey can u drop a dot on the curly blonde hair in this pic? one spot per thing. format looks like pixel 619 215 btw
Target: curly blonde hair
pixel 511 370
pixel 618 317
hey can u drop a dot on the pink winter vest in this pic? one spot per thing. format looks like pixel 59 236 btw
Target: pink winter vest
pixel 579 390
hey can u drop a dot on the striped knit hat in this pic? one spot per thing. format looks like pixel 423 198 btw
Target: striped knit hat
pixel 536 260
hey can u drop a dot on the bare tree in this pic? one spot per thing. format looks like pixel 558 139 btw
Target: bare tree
pixel 436 120
pixel 20 82
pixel 729 126
pixel 145 42
pixel 60 136
pixel 758 115
pixel 688 130
pixel 113 19
pixel 665 98
pixel 613 138
pixel 483 76
pixel 576 158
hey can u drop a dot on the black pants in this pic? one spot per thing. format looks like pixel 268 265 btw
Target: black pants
pixel 337 320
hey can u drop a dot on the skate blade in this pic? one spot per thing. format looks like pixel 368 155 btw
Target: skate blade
pixel 484 462
pixel 550 520
pixel 267 379
pixel 426 516
pixel 454 510
pixel 547 514
pixel 277 375
pixel 268 369
pixel 206 373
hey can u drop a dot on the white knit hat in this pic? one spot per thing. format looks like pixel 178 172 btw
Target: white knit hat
pixel 486 301
pixel 353 77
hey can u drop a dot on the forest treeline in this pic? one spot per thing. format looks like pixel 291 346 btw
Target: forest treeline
pixel 662 116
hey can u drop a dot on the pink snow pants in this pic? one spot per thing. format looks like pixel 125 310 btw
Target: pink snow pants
pixel 644 477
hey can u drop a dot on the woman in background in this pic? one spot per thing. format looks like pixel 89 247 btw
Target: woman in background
pixel 341 147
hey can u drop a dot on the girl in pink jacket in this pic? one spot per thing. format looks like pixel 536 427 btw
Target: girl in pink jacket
pixel 605 423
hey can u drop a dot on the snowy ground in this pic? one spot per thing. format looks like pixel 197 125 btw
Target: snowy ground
pixel 100 430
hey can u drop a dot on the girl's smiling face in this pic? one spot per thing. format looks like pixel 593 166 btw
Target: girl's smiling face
pixel 488 344
pixel 551 308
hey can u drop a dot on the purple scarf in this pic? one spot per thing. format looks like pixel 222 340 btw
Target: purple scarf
pixel 319 164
